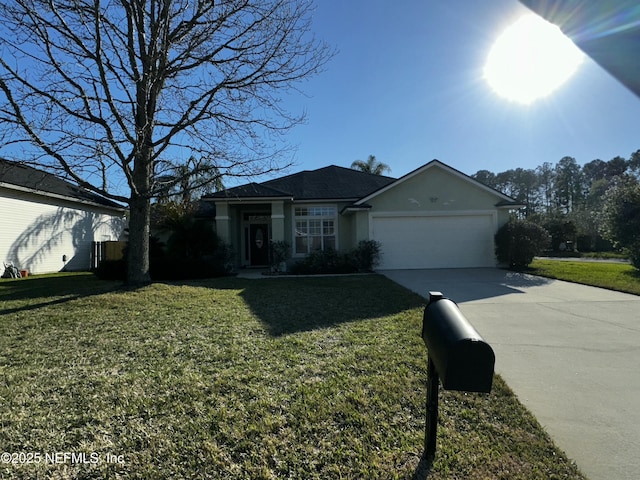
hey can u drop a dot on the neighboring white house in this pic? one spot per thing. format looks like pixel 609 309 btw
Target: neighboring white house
pixel 48 224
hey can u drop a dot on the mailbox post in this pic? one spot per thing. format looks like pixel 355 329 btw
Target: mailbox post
pixel 431 426
pixel 457 355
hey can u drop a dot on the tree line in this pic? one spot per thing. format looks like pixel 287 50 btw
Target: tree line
pixel 566 199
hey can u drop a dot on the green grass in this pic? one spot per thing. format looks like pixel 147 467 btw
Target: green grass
pixel 614 276
pixel 316 378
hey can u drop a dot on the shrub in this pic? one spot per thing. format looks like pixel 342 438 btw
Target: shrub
pixel 187 268
pixel 621 218
pixel 280 252
pixel 593 243
pixel 519 241
pixel 323 262
pixel 561 230
pixel 363 258
pixel 218 263
pixel 175 267
pixel 192 238
pixel 366 256
pixel 223 259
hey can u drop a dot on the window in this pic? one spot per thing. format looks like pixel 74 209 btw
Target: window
pixel 315 229
pixel 315 211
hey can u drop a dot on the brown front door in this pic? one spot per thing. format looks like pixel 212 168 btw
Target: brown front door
pixel 259 244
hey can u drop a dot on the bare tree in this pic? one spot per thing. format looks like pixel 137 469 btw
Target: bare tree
pixel 118 93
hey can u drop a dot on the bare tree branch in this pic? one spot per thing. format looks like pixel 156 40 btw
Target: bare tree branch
pixel 122 90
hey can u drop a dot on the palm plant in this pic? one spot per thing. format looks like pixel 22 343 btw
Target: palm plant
pixel 371 165
pixel 183 182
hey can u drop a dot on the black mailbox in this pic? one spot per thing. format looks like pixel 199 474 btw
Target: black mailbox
pixel 463 360
pixel 457 355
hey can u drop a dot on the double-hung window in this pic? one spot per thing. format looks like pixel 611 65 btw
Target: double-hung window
pixel 315 229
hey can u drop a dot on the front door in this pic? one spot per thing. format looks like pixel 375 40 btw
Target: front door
pixel 259 244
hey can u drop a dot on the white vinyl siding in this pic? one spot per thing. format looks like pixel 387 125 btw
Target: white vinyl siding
pixel 35 232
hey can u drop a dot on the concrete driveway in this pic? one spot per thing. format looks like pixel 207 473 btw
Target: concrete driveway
pixel 570 352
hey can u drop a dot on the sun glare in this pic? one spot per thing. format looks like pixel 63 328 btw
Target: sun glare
pixel 530 60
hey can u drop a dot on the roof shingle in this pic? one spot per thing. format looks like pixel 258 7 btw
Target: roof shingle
pixel 23 176
pixel 332 182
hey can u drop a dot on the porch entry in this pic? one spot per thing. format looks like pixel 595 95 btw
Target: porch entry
pixel 257 233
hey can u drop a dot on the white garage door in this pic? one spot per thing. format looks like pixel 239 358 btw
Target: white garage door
pixel 457 241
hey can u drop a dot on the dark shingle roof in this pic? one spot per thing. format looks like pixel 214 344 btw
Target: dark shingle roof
pixel 25 177
pixel 326 183
pixel 250 190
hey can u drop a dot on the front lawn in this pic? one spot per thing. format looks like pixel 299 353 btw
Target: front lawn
pixel 612 275
pixel 231 378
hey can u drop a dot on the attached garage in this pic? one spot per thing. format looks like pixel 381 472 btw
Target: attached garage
pixel 435 241
pixel 434 217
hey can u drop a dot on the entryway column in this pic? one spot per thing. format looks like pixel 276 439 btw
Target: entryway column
pixel 222 222
pixel 277 221
pixel 361 226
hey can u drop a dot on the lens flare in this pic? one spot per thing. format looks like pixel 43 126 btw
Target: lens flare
pixel 530 60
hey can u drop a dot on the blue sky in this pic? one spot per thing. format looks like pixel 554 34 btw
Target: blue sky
pixel 407 87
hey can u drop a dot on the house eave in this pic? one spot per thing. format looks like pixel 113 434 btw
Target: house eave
pixel 510 205
pixel 355 208
pixel 241 200
pixel 325 200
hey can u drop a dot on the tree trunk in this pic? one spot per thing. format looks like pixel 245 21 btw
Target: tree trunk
pixel 139 221
pixel 138 247
pixel 140 200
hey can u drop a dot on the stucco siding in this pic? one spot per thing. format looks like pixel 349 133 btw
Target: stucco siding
pixel 36 232
pixel 346 234
pixel 361 228
pixel 503 217
pixel 434 189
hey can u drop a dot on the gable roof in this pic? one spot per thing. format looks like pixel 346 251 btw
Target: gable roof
pixel 18 176
pixel 327 183
pixel 504 200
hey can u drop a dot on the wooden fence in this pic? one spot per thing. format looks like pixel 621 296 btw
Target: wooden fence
pixel 111 250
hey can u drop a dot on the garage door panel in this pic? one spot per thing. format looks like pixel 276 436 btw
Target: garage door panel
pixel 456 241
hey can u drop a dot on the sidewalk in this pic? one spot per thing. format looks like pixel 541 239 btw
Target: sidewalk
pixel 253 273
